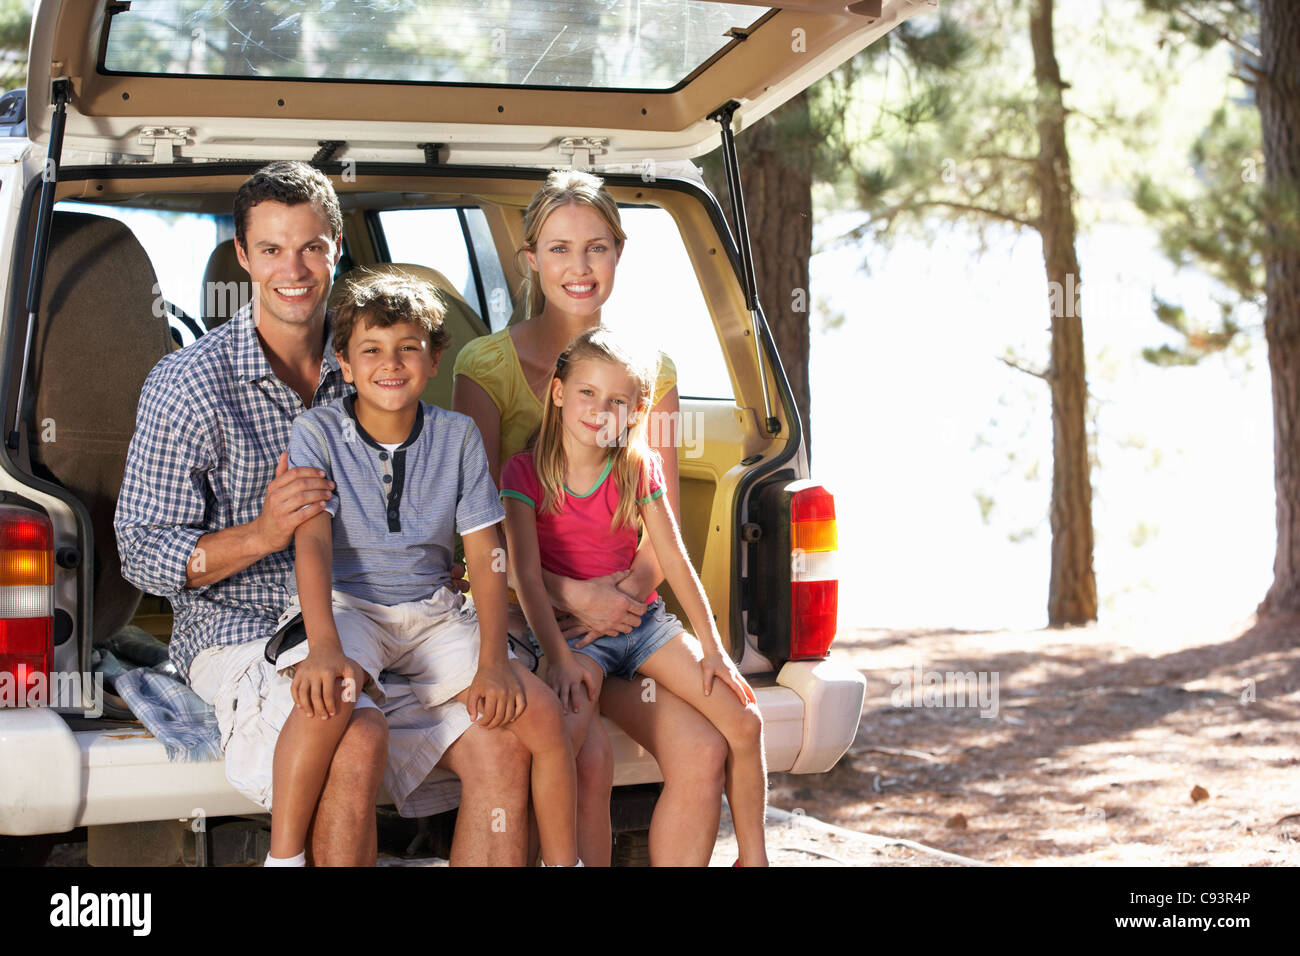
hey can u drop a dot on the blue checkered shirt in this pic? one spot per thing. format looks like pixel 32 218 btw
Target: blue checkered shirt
pixel 212 422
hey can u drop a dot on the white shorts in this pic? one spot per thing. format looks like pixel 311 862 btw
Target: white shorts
pixel 436 640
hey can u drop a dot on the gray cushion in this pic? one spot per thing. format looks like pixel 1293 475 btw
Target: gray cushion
pixel 97 337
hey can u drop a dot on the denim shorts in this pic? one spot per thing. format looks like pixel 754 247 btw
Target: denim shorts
pixel 621 655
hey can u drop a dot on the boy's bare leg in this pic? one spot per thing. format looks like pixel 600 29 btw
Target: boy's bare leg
pixel 492 825
pixel 692 758
pixel 343 833
pixel 303 753
pixel 676 666
pixel 554 776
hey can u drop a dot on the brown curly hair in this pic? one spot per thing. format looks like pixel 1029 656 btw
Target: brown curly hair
pixel 379 300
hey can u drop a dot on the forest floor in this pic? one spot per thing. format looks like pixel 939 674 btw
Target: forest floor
pixel 1102 746
pixel 1096 746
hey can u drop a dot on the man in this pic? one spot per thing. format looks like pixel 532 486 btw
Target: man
pixel 209 506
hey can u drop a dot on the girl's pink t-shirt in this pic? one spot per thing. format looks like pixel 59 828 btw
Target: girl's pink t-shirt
pixel 577 542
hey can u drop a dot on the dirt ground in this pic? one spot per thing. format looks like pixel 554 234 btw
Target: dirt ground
pixel 1109 746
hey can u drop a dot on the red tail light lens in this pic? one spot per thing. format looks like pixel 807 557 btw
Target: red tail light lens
pixel 814 581
pixel 26 605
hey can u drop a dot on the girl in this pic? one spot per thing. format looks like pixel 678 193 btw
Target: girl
pixel 592 437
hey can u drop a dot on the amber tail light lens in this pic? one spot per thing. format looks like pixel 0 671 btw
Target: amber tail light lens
pixel 26 605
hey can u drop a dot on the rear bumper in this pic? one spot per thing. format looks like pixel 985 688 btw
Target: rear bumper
pixel 832 695
pixel 53 779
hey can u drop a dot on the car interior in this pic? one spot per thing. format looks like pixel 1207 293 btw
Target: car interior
pixel 99 312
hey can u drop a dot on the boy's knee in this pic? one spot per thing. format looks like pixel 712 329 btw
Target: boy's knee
pixel 545 722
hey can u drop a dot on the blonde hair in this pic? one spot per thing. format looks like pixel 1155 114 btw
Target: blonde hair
pixel 631 453
pixel 564 187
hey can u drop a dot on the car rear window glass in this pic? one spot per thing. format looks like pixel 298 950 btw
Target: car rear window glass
pixel 458 243
pixel 610 44
pixel 178 245
pixel 657 302
pixel 433 238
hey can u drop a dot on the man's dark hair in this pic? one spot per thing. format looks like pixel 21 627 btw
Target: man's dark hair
pixel 290 183
pixel 378 300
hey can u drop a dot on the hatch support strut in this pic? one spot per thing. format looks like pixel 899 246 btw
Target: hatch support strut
pixel 41 248
pixel 731 166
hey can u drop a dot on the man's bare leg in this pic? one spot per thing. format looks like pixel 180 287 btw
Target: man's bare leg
pixel 343 832
pixel 492 824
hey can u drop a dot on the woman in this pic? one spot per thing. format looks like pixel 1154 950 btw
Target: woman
pixel 572 242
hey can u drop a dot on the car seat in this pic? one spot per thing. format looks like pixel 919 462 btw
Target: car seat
pixel 226 287
pixel 98 336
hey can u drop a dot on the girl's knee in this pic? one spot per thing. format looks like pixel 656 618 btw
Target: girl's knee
pixel 744 729
pixel 595 764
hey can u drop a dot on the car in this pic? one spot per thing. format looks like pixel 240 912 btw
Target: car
pixel 436 122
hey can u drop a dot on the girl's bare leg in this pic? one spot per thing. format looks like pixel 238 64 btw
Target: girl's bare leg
pixel 692 757
pixel 303 753
pixel 676 666
pixel 554 778
pixel 595 766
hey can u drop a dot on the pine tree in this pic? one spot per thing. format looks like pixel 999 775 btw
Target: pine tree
pixel 1244 229
pixel 15 31
pixel 980 138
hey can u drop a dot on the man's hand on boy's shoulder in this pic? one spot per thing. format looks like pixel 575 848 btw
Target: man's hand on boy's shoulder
pixel 495 696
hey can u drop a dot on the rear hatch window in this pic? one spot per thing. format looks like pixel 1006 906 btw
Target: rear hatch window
pixel 643 44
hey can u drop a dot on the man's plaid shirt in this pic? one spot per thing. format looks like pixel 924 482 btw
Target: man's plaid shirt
pixel 212 422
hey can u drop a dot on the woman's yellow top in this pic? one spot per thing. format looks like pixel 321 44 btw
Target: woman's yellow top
pixel 492 363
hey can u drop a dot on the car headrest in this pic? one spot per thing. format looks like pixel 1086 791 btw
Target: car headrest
pixel 427 273
pixel 98 336
pixel 462 323
pixel 226 286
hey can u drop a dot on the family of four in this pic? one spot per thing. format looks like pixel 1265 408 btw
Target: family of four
pixel 298 504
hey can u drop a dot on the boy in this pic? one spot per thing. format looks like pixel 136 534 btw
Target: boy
pixel 372 565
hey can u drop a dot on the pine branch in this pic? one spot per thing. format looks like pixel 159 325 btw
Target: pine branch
pixel 980 210
pixel 1036 373
pixel 1224 35
pixel 1006 157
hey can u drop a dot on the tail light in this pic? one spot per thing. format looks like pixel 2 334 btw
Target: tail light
pixel 814 582
pixel 792 593
pixel 26 605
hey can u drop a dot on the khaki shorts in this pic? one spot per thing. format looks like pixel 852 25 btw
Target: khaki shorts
pixel 432 643
pixel 436 640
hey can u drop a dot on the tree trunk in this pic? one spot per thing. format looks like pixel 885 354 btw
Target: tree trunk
pixel 776 173
pixel 1072 591
pixel 1277 93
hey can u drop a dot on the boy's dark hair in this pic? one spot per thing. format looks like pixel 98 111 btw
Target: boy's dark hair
pixel 290 183
pixel 379 300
